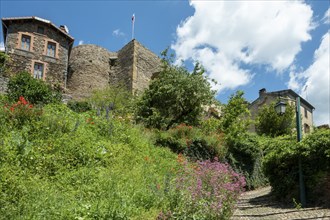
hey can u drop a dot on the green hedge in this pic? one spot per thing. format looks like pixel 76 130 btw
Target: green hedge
pixel 281 167
pixel 245 155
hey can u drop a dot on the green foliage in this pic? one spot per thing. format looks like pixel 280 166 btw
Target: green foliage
pixel 116 99
pixel 272 124
pixel 174 97
pixel 234 121
pixel 4 59
pixel 79 106
pixel 192 142
pixel 64 165
pixel 211 125
pixel 20 113
pixel 244 150
pixel 281 166
pixel 34 90
pixel 245 155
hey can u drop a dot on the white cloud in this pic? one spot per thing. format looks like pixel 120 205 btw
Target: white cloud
pixel 317 79
pixel 118 33
pixel 81 42
pixel 2 46
pixel 223 35
pixel 326 17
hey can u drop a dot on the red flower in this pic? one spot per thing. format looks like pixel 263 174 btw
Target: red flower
pixel 22 100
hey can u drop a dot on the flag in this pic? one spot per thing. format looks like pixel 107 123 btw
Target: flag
pixel 133 17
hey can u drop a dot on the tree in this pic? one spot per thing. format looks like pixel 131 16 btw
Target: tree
pixel 176 96
pixel 34 90
pixel 272 124
pixel 235 115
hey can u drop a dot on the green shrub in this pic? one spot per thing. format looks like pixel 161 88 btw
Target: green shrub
pixel 79 106
pixel 34 90
pixel 245 154
pixel 192 142
pixel 20 113
pixel 281 167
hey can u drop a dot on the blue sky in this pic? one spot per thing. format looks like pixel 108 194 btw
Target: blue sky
pixel 244 45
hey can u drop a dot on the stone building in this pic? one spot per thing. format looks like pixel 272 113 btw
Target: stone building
pixel 288 96
pixel 93 67
pixel 38 46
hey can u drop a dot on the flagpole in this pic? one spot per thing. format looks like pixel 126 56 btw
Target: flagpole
pixel 133 21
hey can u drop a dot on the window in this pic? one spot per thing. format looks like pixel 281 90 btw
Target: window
pixel 40 30
pixel 306 128
pixel 38 72
pixel 25 42
pixel 51 48
pixel 306 113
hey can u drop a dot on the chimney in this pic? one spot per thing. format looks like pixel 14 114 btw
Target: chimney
pixel 262 92
pixel 64 28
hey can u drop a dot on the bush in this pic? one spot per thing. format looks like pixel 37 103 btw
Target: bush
pixel 176 96
pixel 281 167
pixel 20 113
pixel 79 106
pixel 192 142
pixel 245 155
pixel 33 90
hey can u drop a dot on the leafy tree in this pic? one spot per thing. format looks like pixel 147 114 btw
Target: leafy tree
pixel 34 90
pixel 244 153
pixel 176 96
pixel 235 115
pixel 272 124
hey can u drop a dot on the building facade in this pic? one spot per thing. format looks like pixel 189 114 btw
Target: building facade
pixel 92 67
pixel 37 46
pixel 288 96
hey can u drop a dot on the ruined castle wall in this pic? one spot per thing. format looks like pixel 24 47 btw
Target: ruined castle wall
pixel 147 64
pixel 125 65
pixel 89 69
pixel 54 67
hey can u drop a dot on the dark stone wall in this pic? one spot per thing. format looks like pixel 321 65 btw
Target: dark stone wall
pixel 56 67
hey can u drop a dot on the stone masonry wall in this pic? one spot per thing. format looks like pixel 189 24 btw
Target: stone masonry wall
pixel 54 67
pixel 147 64
pixel 125 64
pixel 92 67
pixel 89 69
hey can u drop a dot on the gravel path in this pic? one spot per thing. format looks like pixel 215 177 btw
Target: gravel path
pixel 257 205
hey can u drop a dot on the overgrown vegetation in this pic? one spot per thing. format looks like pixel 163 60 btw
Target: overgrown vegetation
pixel 273 124
pixel 176 96
pixel 33 90
pixel 89 160
pixel 281 166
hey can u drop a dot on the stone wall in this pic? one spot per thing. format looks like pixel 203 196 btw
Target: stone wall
pixel 89 69
pixel 147 64
pixel 92 67
pixel 3 83
pixel 55 68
